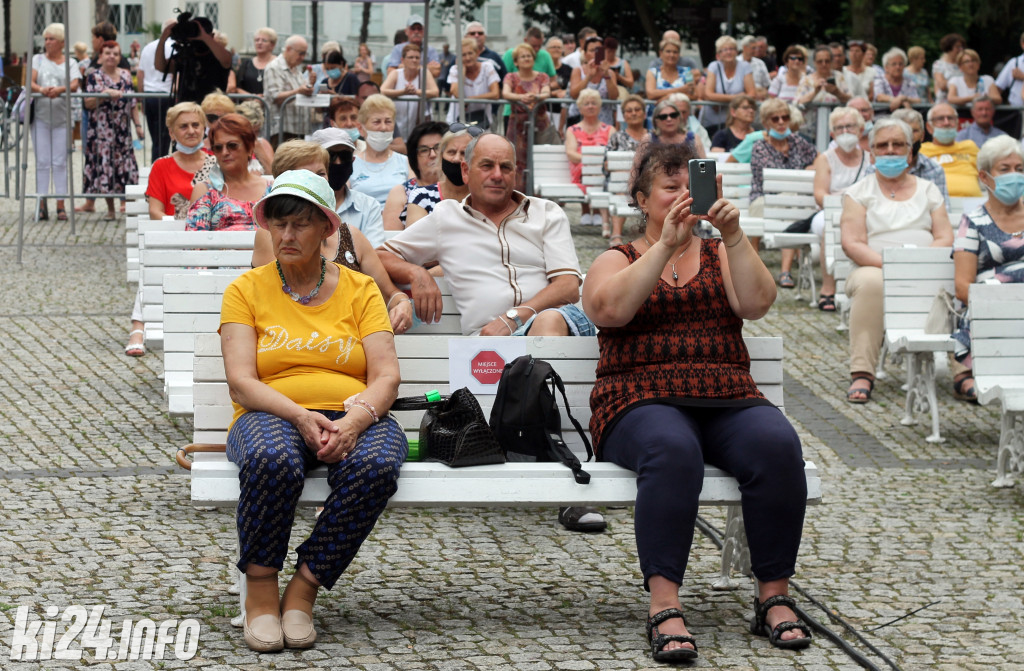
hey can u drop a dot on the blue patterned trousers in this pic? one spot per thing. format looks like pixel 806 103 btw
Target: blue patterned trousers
pixel 273 460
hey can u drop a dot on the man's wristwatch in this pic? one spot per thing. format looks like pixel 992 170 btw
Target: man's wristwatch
pixel 513 314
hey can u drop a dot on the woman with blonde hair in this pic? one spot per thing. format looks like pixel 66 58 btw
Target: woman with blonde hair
pixel 917 73
pixel 378 168
pixel 589 132
pixel 727 77
pixel 970 86
pixel 526 88
pixel 249 78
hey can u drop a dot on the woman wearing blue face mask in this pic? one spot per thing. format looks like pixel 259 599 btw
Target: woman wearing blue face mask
pixel 780 148
pixel 890 208
pixel 989 242
pixel 335 77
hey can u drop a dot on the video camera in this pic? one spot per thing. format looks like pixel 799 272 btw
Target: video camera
pixel 187 28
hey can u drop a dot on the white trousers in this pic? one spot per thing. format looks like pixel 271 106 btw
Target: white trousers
pixel 51 157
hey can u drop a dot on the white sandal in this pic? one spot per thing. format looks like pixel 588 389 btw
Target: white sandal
pixel 137 349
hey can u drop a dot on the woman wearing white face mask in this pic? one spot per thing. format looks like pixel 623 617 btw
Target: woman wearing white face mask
pixel 988 242
pixel 377 169
pixel 835 171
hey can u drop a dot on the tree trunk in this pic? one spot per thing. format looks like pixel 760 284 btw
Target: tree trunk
pixel 102 11
pixel 644 14
pixel 364 29
pixel 863 13
pixel 315 22
pixel 7 30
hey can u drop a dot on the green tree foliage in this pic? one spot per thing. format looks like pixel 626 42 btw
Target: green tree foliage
pixel 991 27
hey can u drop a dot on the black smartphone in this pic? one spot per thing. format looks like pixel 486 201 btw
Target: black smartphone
pixel 703 185
pixel 599 55
pixel 831 81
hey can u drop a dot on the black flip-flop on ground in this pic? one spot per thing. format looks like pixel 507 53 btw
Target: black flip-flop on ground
pixel 659 641
pixel 827 302
pixel 970 394
pixel 759 624
pixel 850 393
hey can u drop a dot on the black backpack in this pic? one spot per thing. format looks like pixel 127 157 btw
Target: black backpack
pixel 526 420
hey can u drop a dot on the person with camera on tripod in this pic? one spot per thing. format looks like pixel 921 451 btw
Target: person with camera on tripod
pixel 199 64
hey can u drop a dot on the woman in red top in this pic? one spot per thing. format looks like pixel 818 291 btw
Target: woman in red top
pixel 170 178
pixel 589 132
pixel 674 391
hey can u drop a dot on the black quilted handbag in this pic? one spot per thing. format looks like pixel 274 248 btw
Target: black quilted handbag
pixel 454 430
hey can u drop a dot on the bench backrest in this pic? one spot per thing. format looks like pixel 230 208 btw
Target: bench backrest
pixel 997 335
pixel 912 276
pixel 166 252
pixel 424 365
pixel 551 174
pixel 788 196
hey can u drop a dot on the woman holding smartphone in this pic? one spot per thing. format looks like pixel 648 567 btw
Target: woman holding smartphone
pixel 658 300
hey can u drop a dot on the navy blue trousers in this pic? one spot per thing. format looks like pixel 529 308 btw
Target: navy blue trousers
pixel 667 446
pixel 273 460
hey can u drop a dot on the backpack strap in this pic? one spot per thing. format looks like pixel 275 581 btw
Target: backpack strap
pixel 560 448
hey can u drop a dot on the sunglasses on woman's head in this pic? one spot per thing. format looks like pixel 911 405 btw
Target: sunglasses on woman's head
pixel 667 116
pixel 794 57
pixel 473 130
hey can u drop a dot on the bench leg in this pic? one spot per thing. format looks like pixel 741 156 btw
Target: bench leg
pixel 805 277
pixel 735 553
pixel 843 303
pixel 921 397
pixel 1010 456
pixel 880 373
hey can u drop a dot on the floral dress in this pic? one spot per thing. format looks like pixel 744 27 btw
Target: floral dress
pixel 516 130
pixel 1000 257
pixel 215 211
pixel 109 157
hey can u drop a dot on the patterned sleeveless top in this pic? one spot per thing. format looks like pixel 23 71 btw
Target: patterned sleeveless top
pixel 684 346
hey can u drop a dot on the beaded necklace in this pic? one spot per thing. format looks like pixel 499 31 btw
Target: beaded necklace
pixel 295 296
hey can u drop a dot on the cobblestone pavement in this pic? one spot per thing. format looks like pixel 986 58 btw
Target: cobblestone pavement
pixel 95 512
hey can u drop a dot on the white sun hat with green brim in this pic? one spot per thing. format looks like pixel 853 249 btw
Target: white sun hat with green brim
pixel 305 185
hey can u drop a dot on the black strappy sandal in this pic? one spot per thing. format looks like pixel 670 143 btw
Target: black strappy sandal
pixel 659 641
pixel 759 624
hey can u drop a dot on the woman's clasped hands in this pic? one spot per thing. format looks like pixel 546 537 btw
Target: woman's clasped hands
pixel 331 441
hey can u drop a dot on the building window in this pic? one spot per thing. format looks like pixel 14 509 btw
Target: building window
pixel 492 19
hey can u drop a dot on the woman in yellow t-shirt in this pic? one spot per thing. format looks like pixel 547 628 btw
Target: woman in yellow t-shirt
pixel 311 366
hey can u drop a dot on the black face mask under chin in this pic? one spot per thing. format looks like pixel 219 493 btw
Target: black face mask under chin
pixel 338 174
pixel 452 171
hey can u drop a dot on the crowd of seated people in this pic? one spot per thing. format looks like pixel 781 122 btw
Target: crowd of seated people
pixel 324 261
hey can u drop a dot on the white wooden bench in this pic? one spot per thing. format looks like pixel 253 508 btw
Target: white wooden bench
pixel 593 177
pixel 191 305
pixel 424 364
pixel 788 197
pixel 620 168
pixel 912 276
pixel 551 178
pixel 164 252
pixel 736 180
pixel 997 350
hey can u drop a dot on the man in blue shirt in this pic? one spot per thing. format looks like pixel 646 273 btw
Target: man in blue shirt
pixel 982 111
pixel 414 31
